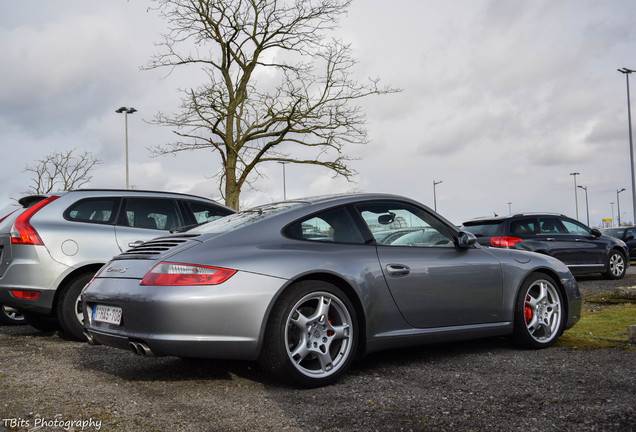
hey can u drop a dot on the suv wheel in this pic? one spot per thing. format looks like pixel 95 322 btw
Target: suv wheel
pixel 615 266
pixel 69 307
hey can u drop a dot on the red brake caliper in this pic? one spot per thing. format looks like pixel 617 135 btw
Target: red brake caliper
pixel 527 311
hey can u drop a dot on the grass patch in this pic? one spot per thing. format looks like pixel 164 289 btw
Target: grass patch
pixel 604 328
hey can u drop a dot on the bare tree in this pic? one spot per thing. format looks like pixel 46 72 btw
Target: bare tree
pixel 276 88
pixel 61 171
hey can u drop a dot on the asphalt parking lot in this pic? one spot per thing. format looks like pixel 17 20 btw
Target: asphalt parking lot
pixel 52 384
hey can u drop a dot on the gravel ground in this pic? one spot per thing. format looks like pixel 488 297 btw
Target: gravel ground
pixel 52 384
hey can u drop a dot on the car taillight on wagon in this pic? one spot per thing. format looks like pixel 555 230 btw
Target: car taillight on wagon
pixel 504 241
pixel 22 232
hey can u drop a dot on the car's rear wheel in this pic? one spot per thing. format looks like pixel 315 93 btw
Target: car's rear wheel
pixel 539 313
pixel 615 266
pixel 10 316
pixel 69 307
pixel 312 336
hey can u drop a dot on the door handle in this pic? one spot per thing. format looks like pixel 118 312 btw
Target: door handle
pixel 135 243
pixel 550 239
pixel 397 270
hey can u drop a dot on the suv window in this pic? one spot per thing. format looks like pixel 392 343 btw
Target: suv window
pixel 336 226
pixel 399 224
pixel 551 225
pixel 204 212
pixel 151 213
pixel 575 228
pixel 523 226
pixel 93 210
pixel 482 229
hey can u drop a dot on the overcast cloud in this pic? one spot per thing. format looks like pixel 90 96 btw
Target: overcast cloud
pixel 501 101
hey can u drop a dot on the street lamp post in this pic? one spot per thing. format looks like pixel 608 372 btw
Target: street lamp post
pixel 510 207
pixel 612 204
pixel 284 181
pixel 126 111
pixel 631 143
pixel 435 183
pixel 576 198
pixel 587 207
pixel 618 205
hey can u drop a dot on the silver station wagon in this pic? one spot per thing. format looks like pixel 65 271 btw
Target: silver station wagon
pixel 53 245
pixel 307 286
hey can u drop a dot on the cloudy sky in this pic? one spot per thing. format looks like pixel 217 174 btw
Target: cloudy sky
pixel 501 101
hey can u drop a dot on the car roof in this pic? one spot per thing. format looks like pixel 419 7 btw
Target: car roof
pixel 498 218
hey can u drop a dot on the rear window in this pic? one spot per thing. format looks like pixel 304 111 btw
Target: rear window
pixel 245 217
pixel 204 212
pixel 93 210
pixel 482 229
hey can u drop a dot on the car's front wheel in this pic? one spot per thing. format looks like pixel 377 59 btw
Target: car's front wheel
pixel 615 266
pixel 311 337
pixel 539 313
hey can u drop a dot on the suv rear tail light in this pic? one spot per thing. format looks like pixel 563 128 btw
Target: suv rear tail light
pixel 26 294
pixel 504 241
pixel 22 232
pixel 173 274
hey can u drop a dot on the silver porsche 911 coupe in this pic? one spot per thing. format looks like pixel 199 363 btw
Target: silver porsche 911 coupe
pixel 306 286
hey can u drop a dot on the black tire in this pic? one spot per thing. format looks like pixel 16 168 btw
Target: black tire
pixel 69 308
pixel 10 316
pixel 615 266
pixel 45 323
pixel 539 313
pixel 311 336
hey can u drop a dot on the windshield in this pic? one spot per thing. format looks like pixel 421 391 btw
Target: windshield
pixel 245 217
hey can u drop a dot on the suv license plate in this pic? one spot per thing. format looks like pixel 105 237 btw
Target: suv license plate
pixel 107 314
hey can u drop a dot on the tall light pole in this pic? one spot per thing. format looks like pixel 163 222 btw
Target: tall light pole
pixel 126 111
pixel 618 205
pixel 435 183
pixel 631 143
pixel 612 204
pixel 284 181
pixel 576 198
pixel 510 207
pixel 587 207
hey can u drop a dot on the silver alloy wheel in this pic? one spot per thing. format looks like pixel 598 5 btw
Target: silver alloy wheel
pixel 79 311
pixel 542 311
pixel 319 334
pixel 616 264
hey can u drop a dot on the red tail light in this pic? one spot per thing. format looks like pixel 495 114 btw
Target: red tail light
pixel 504 241
pixel 22 231
pixel 172 274
pixel 26 294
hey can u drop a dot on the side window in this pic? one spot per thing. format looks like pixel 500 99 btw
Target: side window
pixel 575 228
pixel 398 224
pixel 523 226
pixel 335 226
pixel 551 225
pixel 630 233
pixel 93 210
pixel 204 212
pixel 152 213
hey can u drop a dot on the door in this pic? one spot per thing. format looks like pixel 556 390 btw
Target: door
pixel 433 282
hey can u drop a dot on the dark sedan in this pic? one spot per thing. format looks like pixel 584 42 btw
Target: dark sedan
pixel 306 286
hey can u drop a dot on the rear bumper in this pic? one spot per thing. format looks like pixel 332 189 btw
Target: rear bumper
pixel 224 321
pixel 30 268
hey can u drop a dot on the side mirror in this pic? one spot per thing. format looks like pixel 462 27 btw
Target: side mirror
pixel 466 239
pixel 596 233
pixel 629 237
pixel 386 219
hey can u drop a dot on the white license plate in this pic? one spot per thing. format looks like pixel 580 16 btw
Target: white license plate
pixel 107 314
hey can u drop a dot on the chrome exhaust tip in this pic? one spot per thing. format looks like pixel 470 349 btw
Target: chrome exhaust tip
pixel 90 339
pixel 141 349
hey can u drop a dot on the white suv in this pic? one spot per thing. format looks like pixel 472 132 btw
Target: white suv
pixel 52 247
